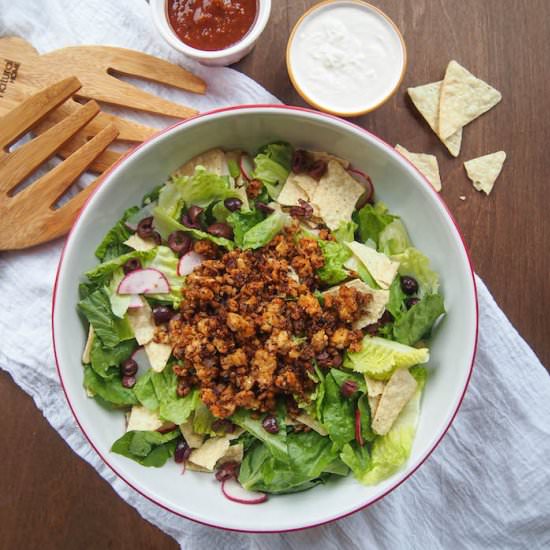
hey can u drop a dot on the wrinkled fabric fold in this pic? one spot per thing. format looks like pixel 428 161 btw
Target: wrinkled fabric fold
pixel 487 485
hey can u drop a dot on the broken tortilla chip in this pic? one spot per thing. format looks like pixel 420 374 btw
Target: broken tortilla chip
pixel 213 161
pixel 312 423
pixel 142 419
pixel 210 452
pixel 234 453
pixel 137 243
pixel 336 195
pixel 321 155
pixel 382 269
pixel 464 97
pixel 158 355
pixel 397 393
pixel 141 321
pixel 374 309
pixel 426 164
pixel 194 440
pixel 88 347
pixel 426 100
pixel 375 388
pixel 483 171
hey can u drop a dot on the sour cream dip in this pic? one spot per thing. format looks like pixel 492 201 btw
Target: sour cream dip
pixel 345 57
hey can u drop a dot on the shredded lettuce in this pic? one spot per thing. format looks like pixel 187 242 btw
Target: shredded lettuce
pixel 414 264
pixel 112 244
pixel 418 321
pixel 262 233
pixel 379 358
pixel 393 239
pixel 109 390
pixel 272 166
pixel 147 448
pixel 96 307
pixel 345 232
pixel 335 255
pixel 372 220
pixel 243 221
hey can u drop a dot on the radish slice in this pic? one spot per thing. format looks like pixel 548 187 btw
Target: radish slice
pixel 135 301
pixel 133 221
pixel 365 180
pixel 144 281
pixel 358 435
pixel 188 262
pixel 234 491
pixel 245 164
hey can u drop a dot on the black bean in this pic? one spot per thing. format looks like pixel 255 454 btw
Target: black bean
pixel 145 228
pixel 128 367
pixel 301 161
pixel 386 318
pixel 220 229
pixel 180 243
pixel 409 285
pixel 162 314
pixel 156 238
pixel 194 212
pixel 348 388
pixel 262 207
pixel 131 265
pixel 270 424
pixel 233 203
pixel 128 381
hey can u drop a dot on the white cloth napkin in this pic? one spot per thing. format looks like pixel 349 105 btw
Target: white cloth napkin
pixel 486 486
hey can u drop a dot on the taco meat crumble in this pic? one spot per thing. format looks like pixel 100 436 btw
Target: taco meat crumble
pixel 250 326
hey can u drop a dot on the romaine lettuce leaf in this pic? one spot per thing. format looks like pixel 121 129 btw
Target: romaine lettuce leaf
pixel 420 374
pixel 345 232
pixel 112 244
pixel 396 303
pixel 365 418
pixel 393 239
pixel 145 391
pixel 414 264
pixel 101 274
pixel 106 361
pixel 372 220
pixel 338 413
pixel 167 263
pixel 110 391
pixel 379 357
pixel 96 307
pixel 262 233
pixel 203 419
pixel 335 255
pixel 417 322
pixel 147 448
pixel 357 458
pixel 241 222
pixel 119 302
pixel 272 166
pixel 202 188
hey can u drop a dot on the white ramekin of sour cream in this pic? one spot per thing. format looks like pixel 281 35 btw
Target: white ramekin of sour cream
pixel 346 57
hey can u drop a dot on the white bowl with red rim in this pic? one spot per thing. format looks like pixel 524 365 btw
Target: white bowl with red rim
pixel 226 56
pixel 407 193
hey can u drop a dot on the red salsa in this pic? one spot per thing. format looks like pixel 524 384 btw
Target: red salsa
pixel 211 24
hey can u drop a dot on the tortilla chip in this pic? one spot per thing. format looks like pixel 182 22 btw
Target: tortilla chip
pixel 137 243
pixel 382 269
pixel 483 171
pixel 464 97
pixel 375 308
pixel 213 161
pixel 142 419
pixel 309 421
pixel 234 453
pixel 196 468
pixel 209 453
pixel 321 155
pixel 292 192
pixel 375 389
pixel 336 195
pixel 141 321
pixel 193 439
pixel 88 347
pixel 158 354
pixel 426 100
pixel 397 393
pixel 426 164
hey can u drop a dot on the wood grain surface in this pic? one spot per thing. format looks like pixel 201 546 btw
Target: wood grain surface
pixel 50 498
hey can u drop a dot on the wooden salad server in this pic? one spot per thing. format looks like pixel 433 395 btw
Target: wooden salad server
pixel 28 216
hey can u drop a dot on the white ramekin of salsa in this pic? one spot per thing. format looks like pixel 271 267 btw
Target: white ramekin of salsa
pixel 346 57
pixel 214 32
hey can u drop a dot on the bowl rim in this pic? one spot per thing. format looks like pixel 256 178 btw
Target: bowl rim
pixel 163 26
pixel 324 108
pixel 283 108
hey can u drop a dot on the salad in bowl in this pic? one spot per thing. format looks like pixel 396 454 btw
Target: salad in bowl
pixel 263 319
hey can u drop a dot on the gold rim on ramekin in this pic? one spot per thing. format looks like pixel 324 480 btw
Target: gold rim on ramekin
pixel 308 99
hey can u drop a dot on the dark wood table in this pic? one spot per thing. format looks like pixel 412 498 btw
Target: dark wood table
pixel 52 499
